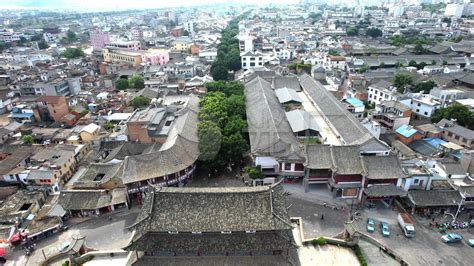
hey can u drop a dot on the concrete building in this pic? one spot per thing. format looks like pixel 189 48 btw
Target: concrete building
pixel 121 56
pixel 454 10
pixel 392 114
pixel 125 45
pixel 245 43
pixel 422 104
pixel 251 60
pixel 57 106
pixel 99 40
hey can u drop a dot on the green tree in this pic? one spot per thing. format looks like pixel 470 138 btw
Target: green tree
pixel 235 125
pixel 401 80
pixel 210 136
pixel 419 49
pixel 71 36
pixel 233 60
pixel 398 65
pixel 84 112
pixel 233 147
pixel 37 37
pixel 461 113
pixel 374 32
pixel 73 53
pixel 140 101
pixel 333 52
pixel 109 126
pixel 424 87
pixel 121 84
pixel 254 172
pixel 136 82
pixel 363 68
pixel 433 62
pixel 352 31
pixel 219 70
pixel 412 63
pixel 42 45
pixel 235 105
pixel 421 65
pixel 27 139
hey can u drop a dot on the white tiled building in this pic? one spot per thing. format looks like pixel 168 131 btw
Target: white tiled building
pixel 251 60
pixel 382 92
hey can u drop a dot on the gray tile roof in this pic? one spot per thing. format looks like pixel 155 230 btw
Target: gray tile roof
pixel 269 131
pixel 301 120
pixel 347 160
pixel 383 167
pixel 348 127
pixel 286 82
pixel 319 157
pixel 395 104
pixel 211 211
pixel 403 148
pixel 126 149
pixel 90 199
pixel 89 176
pixel 454 128
pixel 384 190
pixel 178 152
pixel 287 95
pixel 434 198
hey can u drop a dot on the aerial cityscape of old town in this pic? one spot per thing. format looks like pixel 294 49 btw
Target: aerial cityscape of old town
pixel 205 133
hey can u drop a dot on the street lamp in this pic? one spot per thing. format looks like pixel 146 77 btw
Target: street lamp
pixel 463 199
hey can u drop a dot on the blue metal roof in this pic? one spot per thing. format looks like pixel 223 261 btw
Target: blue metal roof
pixel 406 131
pixel 355 102
pixel 435 142
pixel 20 115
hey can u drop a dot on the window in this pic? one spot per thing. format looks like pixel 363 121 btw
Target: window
pixel 252 58
pixel 426 113
pixel 417 110
pixel 416 181
pixel 260 63
pixel 252 64
pixel 419 104
pixel 370 95
pixel 244 64
pixel 456 137
pixel 288 166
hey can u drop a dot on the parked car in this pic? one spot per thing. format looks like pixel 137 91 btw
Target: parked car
pixel 470 242
pixel 370 225
pixel 451 238
pixel 384 229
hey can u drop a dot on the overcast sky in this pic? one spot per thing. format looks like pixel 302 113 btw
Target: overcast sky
pixel 122 4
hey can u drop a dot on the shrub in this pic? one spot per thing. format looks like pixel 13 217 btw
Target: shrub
pixel 360 255
pixel 321 241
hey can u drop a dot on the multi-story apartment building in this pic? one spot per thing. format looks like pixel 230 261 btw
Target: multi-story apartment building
pixel 423 105
pixel 251 60
pixel 382 91
pixel 121 56
pixel 99 39
pixel 392 114
pixel 125 45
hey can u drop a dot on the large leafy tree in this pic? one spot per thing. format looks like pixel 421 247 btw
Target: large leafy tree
pixel 235 105
pixel 401 80
pixel 235 125
pixel 374 32
pixel 461 113
pixel 210 137
pixel 27 139
pixel 121 84
pixel 424 87
pixel 233 147
pixel 352 31
pixel 219 70
pixel 73 53
pixel 136 82
pixel 140 101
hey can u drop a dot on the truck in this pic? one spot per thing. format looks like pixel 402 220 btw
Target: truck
pixel 406 224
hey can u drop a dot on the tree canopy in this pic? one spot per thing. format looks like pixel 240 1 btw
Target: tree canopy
pixel 401 80
pixel 461 113
pixel 374 32
pixel 424 87
pixel 27 139
pixel 42 45
pixel 73 53
pixel 352 31
pixel 223 112
pixel 140 102
pixel 121 84
pixel 228 52
pixel 136 82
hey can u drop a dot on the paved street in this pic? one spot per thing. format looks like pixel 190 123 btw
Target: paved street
pixel 426 247
pixel 101 234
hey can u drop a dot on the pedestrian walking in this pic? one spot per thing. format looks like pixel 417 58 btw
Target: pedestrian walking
pixel 322 216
